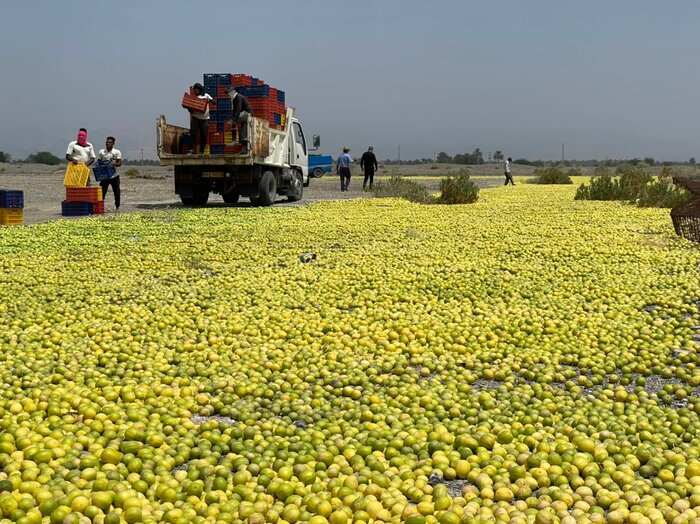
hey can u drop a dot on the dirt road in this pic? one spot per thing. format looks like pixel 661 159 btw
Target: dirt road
pixel 153 187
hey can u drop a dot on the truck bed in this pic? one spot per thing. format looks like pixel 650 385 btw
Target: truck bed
pixel 259 151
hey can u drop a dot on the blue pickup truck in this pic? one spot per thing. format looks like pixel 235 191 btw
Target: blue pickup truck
pixel 320 164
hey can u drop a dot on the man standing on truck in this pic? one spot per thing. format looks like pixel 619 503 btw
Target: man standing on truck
pixel 110 155
pixel 240 114
pixel 199 122
pixel 342 167
pixel 368 164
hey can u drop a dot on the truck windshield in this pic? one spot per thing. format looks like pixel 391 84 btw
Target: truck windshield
pixel 299 136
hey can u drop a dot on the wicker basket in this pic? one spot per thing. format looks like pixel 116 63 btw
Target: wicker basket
pixel 686 216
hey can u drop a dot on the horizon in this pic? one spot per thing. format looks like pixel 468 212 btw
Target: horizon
pixel 607 81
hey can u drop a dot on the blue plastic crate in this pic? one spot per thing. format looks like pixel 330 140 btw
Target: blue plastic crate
pixel 213 114
pixel 210 79
pixel 280 96
pixel 210 90
pixel 256 91
pixel 76 209
pixel 223 104
pixel 220 126
pixel 216 149
pixel 223 79
pixel 10 198
pixel 277 118
pixel 103 170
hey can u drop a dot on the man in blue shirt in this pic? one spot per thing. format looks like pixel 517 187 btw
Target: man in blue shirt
pixel 342 167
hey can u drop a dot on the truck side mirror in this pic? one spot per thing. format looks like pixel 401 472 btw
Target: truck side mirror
pixel 317 141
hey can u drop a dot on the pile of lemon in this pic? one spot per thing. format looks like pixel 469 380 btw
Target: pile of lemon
pixel 525 358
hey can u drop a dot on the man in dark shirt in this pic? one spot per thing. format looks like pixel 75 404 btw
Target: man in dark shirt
pixel 368 164
pixel 240 114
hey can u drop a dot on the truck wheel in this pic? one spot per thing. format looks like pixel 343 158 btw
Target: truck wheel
pixel 254 201
pixel 231 197
pixel 198 197
pixel 296 190
pixel 201 196
pixel 318 172
pixel 267 189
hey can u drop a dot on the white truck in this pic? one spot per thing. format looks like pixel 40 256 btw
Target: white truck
pixel 276 163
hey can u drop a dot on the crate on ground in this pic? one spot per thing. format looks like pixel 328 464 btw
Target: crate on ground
pixel 98 208
pixel 11 198
pixel 77 175
pixel 11 216
pixel 76 209
pixel 194 103
pixel 84 194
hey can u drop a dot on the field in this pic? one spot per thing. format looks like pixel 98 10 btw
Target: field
pixel 528 358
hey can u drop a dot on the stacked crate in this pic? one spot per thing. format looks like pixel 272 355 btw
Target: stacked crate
pixel 266 102
pixel 11 207
pixel 82 201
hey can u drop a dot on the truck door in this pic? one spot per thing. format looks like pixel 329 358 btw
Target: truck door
pixel 300 153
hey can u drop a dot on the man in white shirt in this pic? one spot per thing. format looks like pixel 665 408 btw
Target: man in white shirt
pixel 509 176
pixel 199 122
pixel 81 150
pixel 113 157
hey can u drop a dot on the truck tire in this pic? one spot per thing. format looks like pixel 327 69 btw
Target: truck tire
pixel 267 189
pixel 254 201
pixel 231 197
pixel 296 189
pixel 199 197
pixel 318 172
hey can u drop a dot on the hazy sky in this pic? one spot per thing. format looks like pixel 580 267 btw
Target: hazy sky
pixel 609 78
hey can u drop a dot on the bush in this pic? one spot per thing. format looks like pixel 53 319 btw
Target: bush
pixel 601 188
pixel 458 189
pixel 400 187
pixel 44 157
pixel 634 185
pixel 662 193
pixel 132 173
pixel 553 175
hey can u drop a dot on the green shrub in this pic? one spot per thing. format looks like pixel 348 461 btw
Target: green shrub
pixel 553 175
pixel 601 188
pixel 400 187
pixel 662 193
pixel 634 185
pixel 132 173
pixel 458 189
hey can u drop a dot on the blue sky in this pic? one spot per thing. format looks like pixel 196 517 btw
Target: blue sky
pixel 610 79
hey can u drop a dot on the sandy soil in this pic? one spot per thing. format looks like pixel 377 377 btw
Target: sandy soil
pixel 153 188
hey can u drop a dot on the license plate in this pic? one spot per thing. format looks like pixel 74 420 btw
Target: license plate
pixel 211 174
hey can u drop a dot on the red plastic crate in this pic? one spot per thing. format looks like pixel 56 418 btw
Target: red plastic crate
pixel 216 138
pixel 84 194
pixel 233 150
pixel 240 80
pixel 194 103
pixel 98 208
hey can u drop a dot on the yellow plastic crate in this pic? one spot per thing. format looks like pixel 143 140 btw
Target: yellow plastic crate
pixel 11 216
pixel 77 175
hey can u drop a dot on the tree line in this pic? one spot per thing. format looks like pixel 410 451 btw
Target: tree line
pixel 49 159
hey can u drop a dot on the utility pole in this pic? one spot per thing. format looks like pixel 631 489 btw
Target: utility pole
pixel 399 154
pixel 562 151
pixel 141 157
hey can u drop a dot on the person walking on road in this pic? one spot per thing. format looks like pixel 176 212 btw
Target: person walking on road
pixel 240 115
pixel 342 167
pixel 113 157
pixel 368 164
pixel 509 175
pixel 81 150
pixel 199 122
